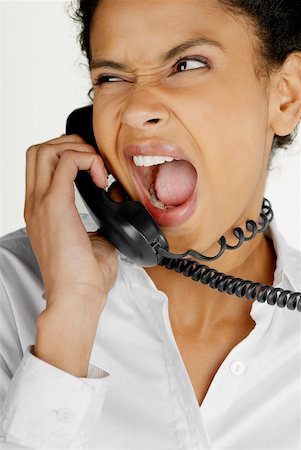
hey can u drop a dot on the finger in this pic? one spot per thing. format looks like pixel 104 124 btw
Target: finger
pixel 64 138
pixel 31 157
pixel 69 164
pixel 30 168
pixel 47 159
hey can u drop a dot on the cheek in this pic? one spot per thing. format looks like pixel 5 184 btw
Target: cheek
pixel 227 122
pixel 228 127
pixel 229 109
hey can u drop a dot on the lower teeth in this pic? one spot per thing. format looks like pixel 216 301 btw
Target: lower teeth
pixel 156 202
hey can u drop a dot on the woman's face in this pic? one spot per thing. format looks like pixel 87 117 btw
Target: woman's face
pixel 208 101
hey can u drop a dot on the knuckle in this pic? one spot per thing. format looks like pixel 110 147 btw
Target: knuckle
pixel 31 150
pixel 44 150
pixel 77 137
pixel 91 148
pixel 68 153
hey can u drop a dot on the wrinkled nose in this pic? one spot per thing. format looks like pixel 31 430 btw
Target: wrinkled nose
pixel 144 111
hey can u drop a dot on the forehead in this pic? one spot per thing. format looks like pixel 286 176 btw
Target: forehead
pixel 148 27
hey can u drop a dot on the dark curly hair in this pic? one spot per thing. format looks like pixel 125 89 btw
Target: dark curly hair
pixel 277 23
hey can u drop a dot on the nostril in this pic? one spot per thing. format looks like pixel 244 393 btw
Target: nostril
pixel 153 120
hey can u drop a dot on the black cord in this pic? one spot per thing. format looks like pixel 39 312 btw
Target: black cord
pixel 266 216
pixel 234 286
pixel 237 286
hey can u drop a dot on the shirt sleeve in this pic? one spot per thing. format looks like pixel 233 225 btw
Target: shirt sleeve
pixel 46 407
pixel 41 406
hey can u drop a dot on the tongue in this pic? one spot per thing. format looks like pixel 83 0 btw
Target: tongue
pixel 175 182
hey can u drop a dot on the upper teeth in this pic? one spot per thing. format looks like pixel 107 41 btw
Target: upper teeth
pixel 151 160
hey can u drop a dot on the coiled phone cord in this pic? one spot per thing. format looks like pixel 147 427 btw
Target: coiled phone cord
pixel 234 286
pixel 230 284
pixel 266 216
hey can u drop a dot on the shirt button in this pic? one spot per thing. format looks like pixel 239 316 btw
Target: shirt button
pixel 65 415
pixel 237 368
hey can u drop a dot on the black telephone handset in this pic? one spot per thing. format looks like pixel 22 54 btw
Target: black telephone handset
pixel 127 225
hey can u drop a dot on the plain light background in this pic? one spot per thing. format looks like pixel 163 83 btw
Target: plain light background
pixel 44 77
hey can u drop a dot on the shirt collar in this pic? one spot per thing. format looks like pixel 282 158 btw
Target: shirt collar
pixel 288 259
pixel 285 275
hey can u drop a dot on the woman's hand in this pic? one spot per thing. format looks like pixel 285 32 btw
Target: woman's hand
pixel 78 269
pixel 73 263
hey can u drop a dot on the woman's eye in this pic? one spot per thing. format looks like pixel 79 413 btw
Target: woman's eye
pixel 102 79
pixel 182 65
pixel 187 64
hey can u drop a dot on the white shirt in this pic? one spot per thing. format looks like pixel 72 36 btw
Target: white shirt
pixel 138 394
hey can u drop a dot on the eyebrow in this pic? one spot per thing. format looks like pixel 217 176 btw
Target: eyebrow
pixel 170 54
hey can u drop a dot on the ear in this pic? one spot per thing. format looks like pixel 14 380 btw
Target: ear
pixel 285 99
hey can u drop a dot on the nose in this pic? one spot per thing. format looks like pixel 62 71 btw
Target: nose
pixel 144 110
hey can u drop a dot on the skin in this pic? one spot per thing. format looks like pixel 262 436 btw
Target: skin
pixel 223 115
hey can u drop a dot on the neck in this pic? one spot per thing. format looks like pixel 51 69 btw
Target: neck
pixel 194 306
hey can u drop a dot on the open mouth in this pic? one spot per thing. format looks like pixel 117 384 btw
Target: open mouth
pixel 167 190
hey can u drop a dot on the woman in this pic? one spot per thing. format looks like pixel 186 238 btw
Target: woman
pixel 119 356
